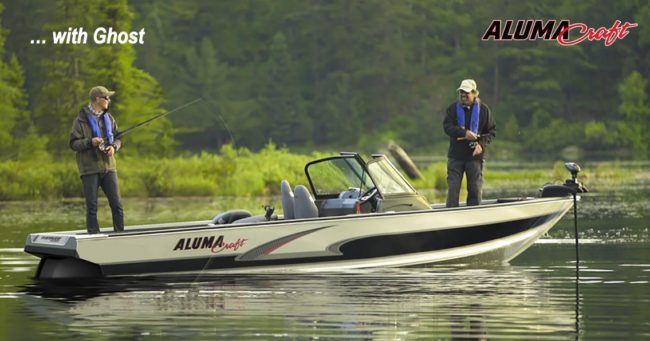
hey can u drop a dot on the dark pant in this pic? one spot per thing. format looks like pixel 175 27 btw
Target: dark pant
pixel 473 169
pixel 108 183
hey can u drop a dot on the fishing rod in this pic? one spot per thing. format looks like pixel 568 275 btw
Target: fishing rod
pixel 102 146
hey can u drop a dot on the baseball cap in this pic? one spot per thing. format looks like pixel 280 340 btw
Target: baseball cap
pixel 468 85
pixel 100 91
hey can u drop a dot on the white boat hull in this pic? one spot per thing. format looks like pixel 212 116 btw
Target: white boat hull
pixel 488 233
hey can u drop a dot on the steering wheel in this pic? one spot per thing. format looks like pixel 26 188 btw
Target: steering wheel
pixel 367 195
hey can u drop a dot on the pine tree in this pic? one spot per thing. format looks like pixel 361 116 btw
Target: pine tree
pixel 18 138
pixel 338 119
pixel 635 129
pixel 287 123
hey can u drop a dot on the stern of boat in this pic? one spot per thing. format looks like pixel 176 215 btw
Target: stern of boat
pixel 59 258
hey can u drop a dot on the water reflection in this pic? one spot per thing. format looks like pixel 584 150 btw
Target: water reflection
pixel 532 298
pixel 438 302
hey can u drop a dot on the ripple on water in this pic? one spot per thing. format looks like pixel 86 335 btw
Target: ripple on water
pixel 535 298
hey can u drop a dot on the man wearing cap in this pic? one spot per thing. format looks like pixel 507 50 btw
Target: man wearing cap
pixel 471 128
pixel 93 138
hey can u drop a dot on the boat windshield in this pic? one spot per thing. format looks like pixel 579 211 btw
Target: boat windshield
pixel 388 179
pixel 334 176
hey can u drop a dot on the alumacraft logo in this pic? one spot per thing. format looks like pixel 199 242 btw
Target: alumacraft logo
pixel 215 245
pixel 49 239
pixel 538 29
pixel 53 239
pixel 46 238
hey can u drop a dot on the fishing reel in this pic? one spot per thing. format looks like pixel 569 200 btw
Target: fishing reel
pixel 103 146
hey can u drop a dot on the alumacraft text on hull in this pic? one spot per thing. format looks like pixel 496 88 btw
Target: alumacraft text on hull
pixel 365 214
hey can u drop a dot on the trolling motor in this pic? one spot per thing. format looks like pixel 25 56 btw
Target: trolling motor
pixel 569 187
pixel 102 146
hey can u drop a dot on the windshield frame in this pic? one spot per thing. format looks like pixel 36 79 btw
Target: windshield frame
pixel 399 179
pixel 363 179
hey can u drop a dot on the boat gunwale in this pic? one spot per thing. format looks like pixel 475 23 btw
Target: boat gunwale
pixel 201 225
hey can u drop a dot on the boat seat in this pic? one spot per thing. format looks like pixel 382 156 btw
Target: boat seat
pixel 287 199
pixel 304 206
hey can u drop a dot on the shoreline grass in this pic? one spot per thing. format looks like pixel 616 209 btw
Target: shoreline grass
pixel 243 173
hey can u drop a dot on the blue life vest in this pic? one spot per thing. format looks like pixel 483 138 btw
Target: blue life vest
pixel 473 123
pixel 108 127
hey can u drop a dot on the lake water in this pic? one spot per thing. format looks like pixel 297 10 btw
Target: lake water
pixel 534 297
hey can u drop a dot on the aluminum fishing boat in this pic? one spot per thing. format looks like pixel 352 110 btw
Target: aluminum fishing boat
pixel 355 214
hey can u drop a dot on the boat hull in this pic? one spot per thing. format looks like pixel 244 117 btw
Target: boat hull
pixel 488 233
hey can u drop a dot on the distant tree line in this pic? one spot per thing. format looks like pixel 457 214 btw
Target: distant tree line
pixel 335 74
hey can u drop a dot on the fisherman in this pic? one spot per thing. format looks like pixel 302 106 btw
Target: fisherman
pixel 93 137
pixel 471 128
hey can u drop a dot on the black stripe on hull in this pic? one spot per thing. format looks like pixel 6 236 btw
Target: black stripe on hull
pixel 392 245
pixel 370 247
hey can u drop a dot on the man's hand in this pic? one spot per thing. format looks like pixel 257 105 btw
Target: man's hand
pixel 110 150
pixel 96 141
pixel 470 136
pixel 477 150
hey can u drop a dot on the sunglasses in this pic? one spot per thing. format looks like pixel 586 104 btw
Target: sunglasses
pixel 108 98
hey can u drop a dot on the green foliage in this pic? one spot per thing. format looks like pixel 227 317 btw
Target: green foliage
pixel 602 135
pixel 243 173
pixel 548 135
pixel 435 176
pixel 510 130
pixel 634 107
pixel 337 73
pixel 18 139
pixel 280 100
pixel 231 172
pixel 528 179
pixel 27 180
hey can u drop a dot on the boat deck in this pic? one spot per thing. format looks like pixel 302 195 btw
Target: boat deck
pixel 207 224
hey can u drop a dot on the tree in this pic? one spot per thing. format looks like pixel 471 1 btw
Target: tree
pixel 636 126
pixel 338 120
pixel 203 75
pixel 18 138
pixel 281 102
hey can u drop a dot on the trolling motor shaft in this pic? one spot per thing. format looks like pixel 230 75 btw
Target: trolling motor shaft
pixel 571 187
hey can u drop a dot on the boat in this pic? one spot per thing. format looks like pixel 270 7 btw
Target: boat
pixel 355 214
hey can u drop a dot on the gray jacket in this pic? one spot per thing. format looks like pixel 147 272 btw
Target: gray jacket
pixel 90 159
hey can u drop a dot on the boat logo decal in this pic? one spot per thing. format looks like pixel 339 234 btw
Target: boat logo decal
pixel 264 250
pixel 49 239
pixel 214 243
